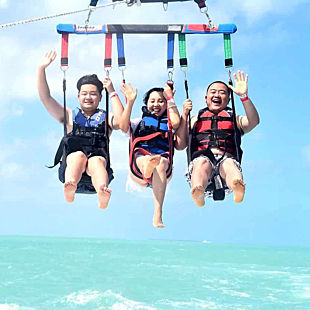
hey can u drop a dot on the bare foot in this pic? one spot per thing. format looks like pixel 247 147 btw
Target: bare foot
pixel 238 187
pixel 104 195
pixel 198 194
pixel 150 165
pixel 157 222
pixel 69 191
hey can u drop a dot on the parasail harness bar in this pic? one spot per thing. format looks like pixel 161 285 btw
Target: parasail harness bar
pixel 147 28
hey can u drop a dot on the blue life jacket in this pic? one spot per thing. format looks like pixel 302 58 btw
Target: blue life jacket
pixel 151 124
pixel 92 126
pixel 88 134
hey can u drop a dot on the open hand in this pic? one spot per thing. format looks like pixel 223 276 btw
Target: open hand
pixel 129 92
pixel 47 59
pixel 241 83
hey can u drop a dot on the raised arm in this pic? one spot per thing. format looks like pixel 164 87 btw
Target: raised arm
pixel 182 133
pixel 130 95
pixel 173 109
pixel 251 120
pixel 53 107
pixel 116 103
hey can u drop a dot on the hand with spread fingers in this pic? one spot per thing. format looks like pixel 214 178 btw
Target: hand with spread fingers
pixel 48 58
pixel 241 83
pixel 129 92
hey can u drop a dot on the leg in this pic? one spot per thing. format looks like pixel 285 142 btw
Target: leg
pixel 201 174
pixel 96 169
pixel 76 163
pixel 159 184
pixel 147 164
pixel 233 178
pixel 138 180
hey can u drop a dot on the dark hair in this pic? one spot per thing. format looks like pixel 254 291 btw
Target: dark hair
pixel 148 93
pixel 90 79
pixel 221 82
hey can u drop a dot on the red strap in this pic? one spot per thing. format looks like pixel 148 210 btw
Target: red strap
pixel 108 51
pixel 64 49
pixel 133 149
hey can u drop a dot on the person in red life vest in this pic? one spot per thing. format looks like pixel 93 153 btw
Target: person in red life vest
pixel 214 142
pixel 86 150
pixel 151 141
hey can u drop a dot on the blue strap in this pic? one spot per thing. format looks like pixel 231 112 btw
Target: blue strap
pixel 170 50
pixel 120 50
pixel 151 121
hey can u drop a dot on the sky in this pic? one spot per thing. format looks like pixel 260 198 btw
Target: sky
pixel 271 45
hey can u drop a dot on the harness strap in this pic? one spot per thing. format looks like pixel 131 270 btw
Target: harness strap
pixel 133 149
pixel 108 52
pixel 182 50
pixel 201 3
pixel 121 53
pixel 93 2
pixel 170 60
pixel 107 127
pixel 64 49
pixel 228 53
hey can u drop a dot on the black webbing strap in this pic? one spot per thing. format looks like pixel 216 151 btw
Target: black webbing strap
pixel 107 126
pixel 64 87
pixel 93 2
pixel 238 155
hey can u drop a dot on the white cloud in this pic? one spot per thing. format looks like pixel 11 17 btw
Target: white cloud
pixel 3 3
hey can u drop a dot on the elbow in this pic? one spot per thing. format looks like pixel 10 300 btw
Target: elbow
pixel 179 145
pixel 176 124
pixel 256 122
pixel 123 127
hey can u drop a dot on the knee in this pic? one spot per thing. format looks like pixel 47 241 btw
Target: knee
pixel 76 156
pixel 97 160
pixel 94 163
pixel 163 164
pixel 228 163
pixel 202 164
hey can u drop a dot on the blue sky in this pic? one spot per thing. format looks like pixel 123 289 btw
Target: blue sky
pixel 271 45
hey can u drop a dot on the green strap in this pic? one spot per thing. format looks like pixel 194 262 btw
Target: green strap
pixel 228 54
pixel 182 50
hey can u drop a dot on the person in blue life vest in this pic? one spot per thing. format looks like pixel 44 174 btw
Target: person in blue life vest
pixel 214 142
pixel 151 141
pixel 82 158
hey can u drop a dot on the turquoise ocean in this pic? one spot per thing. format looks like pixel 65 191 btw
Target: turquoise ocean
pixel 77 273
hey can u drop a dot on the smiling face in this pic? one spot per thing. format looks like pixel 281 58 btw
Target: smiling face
pixel 156 103
pixel 217 97
pixel 89 97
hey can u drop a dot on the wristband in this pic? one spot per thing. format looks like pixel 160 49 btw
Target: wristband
pixel 243 99
pixel 171 106
pixel 113 94
pixel 169 98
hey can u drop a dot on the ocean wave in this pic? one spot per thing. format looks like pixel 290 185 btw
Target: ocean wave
pixel 103 300
pixel 81 298
pixel 236 293
pixel 14 307
pixel 193 303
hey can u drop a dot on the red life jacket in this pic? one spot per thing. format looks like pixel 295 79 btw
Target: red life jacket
pixel 215 130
